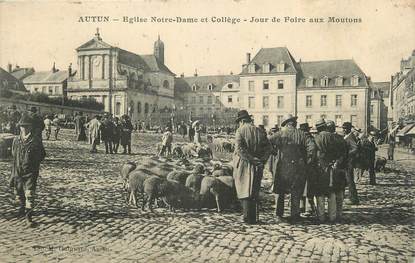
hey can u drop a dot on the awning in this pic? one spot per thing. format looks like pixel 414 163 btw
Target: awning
pixel 411 131
pixel 406 129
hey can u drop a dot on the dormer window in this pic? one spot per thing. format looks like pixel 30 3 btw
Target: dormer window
pixel 324 82
pixel 309 82
pixel 339 81
pixel 355 80
pixel 266 68
pixel 230 86
pixel 251 68
pixel 210 86
pixel 281 67
pixel 194 87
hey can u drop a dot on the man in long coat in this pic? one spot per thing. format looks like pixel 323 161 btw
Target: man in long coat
pixel 331 181
pixel 252 149
pixel 126 130
pixel 94 133
pixel 294 151
pixel 80 127
pixel 107 130
pixel 353 153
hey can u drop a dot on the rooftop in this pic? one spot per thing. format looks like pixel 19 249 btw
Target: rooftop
pixel 46 77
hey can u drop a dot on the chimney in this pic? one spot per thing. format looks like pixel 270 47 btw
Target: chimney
pixel 195 73
pixel 182 75
pixel 70 70
pixel 54 68
pixel 248 58
pixel 231 73
pixel 10 67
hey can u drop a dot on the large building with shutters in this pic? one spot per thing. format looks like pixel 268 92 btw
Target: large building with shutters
pixel 125 82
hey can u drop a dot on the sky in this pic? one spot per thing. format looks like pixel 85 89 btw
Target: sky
pixel 38 33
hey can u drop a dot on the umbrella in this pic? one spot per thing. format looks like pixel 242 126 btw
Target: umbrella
pixel 195 123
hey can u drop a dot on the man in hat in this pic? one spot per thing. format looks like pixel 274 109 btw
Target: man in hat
pixel 38 124
pixel 252 149
pixel 310 187
pixel 80 127
pixel 295 151
pixel 14 117
pixel 127 129
pixel 331 158
pixel 94 133
pixel 368 157
pixel 353 152
pixel 107 130
pixel 28 153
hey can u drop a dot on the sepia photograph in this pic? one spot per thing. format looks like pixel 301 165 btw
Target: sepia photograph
pixel 207 131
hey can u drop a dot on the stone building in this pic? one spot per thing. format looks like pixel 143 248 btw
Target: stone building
pixel 9 82
pixel 402 99
pixel 19 72
pixel 52 83
pixel 125 82
pixel 379 103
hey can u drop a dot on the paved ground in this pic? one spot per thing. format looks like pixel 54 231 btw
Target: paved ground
pixel 82 218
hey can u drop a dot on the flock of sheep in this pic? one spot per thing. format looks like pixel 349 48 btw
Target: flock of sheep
pixel 189 180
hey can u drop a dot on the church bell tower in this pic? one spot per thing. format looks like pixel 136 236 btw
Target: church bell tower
pixel 159 50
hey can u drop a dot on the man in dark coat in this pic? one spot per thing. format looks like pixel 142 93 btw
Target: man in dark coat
pixel 310 187
pixel 28 153
pixel 353 153
pixel 126 131
pixel 331 181
pixel 295 151
pixel 117 135
pixel 107 132
pixel 191 132
pixel 368 156
pixel 252 149
pixel 80 127
pixel 14 117
pixel 38 124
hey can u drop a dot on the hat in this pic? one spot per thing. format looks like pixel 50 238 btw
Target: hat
pixel 199 169
pixel 320 123
pixel 13 107
pixel 330 124
pixel 373 133
pixel 243 114
pixel 261 126
pixel 287 118
pixel 26 120
pixel 33 109
pixel 347 125
pixel 305 127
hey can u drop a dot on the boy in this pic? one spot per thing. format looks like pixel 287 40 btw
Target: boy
pixel 166 142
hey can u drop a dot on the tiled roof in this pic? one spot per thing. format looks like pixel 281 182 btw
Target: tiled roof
pixel 131 59
pixel 332 69
pixel 274 56
pixel 155 65
pixel 21 73
pixel 10 81
pixel 46 77
pixel 202 82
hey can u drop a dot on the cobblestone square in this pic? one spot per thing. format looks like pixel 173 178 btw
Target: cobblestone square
pixel 83 217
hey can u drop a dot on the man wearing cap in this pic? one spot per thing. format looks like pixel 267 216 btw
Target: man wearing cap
pixel 252 149
pixel 331 157
pixel 294 152
pixel 38 124
pixel 353 152
pixel 107 130
pixel 28 153
pixel 309 190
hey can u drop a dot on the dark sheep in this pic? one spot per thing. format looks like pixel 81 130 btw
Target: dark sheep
pixel 222 188
pixel 126 169
pixel 380 163
pixel 178 176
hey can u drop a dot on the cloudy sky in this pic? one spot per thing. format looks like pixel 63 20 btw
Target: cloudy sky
pixel 40 33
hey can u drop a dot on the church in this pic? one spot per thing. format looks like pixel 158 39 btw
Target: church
pixel 125 82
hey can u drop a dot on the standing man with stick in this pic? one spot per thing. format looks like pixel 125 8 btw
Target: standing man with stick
pixel 252 150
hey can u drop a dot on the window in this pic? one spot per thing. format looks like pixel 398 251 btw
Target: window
pixel 166 84
pixel 251 102
pixel 230 86
pixel 324 81
pixel 266 68
pixel 36 89
pixel 138 107
pixel 371 109
pixel 194 87
pixel 118 108
pixel 50 88
pixel 265 120
pixel 281 67
pixel 265 102
pixel 353 100
pixel 251 68
pixel 323 100
pixel 338 119
pixel 230 99
pixel 308 101
pixel 309 120
pixel 280 84
pixel 280 102
pixel 200 99
pixel 279 119
pixel 355 80
pixel 146 108
pixel 338 100
pixel 209 100
pixel 353 120
pixel 265 84
pixel 251 86
pixel 44 89
pixel 57 91
pixel 217 99
pixel 210 86
pixel 309 82
pixel 339 81
pixel 193 100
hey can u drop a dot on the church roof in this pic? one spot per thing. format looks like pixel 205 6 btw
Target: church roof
pixel 155 65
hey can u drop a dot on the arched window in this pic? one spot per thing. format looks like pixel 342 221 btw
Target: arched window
pixel 166 84
pixel 146 108
pixel 194 87
pixel 138 107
